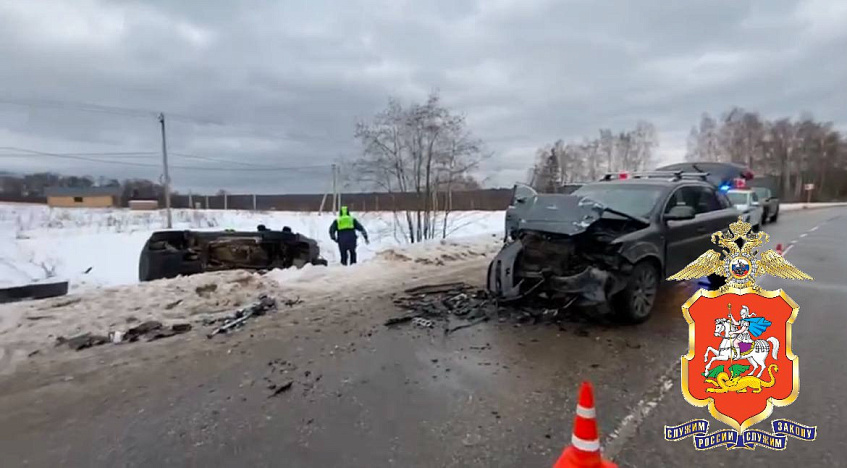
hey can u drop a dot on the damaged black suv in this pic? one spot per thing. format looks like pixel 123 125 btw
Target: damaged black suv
pixel 611 241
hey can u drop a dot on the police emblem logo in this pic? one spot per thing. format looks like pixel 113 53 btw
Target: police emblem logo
pixel 739 362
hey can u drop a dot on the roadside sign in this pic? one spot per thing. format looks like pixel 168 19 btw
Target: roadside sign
pixel 808 186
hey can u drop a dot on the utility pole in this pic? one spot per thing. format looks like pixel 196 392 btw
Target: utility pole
pixel 334 189
pixel 166 174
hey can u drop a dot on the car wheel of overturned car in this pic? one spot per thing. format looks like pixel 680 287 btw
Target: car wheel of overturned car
pixel 635 303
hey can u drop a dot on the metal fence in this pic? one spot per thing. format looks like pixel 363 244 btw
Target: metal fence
pixel 472 200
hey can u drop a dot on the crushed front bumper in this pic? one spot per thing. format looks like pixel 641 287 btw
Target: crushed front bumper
pixel 591 287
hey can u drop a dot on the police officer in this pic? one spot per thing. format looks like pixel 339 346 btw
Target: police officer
pixel 343 232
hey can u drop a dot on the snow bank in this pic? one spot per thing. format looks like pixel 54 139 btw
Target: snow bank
pixel 100 247
pixel 35 325
pixel 386 265
pixel 808 206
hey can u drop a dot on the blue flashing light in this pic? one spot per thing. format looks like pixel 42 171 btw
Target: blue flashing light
pixel 725 188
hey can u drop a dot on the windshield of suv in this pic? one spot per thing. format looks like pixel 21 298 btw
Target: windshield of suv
pixel 634 200
pixel 737 198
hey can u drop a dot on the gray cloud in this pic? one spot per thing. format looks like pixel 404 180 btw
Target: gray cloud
pixel 282 83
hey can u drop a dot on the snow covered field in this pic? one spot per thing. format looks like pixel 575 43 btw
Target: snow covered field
pixel 100 247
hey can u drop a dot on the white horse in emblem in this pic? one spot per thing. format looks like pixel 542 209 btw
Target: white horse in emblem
pixel 756 353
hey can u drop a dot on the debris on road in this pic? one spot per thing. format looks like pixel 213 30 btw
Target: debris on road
pixel 133 334
pixel 181 327
pixel 460 306
pixel 264 305
pixel 116 336
pixel 422 322
pixel 282 388
pixel 398 320
pixel 80 342
pixel 437 288
pixel 151 329
pixel 466 325
pixel 176 329
pixel 33 291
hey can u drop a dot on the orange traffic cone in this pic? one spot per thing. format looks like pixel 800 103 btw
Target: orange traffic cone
pixel 584 451
pixel 779 249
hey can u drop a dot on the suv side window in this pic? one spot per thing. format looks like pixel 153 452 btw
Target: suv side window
pixel 684 196
pixel 708 200
pixel 724 201
pixel 755 197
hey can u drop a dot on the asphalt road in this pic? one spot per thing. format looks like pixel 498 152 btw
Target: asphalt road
pixel 820 342
pixel 364 395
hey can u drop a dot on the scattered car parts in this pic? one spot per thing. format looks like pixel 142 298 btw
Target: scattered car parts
pixel 33 291
pixel 264 305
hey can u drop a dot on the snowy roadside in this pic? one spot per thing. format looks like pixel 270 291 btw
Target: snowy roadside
pixel 31 326
pixel 808 206
pixel 94 248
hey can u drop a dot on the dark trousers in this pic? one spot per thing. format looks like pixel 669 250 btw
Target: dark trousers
pixel 348 251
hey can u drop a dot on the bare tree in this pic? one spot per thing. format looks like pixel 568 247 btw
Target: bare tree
pixel 794 152
pixel 629 150
pixel 607 148
pixel 645 140
pixel 418 149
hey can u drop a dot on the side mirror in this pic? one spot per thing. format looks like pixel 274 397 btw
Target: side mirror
pixel 680 213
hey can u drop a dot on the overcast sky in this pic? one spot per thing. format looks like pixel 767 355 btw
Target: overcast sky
pixel 282 83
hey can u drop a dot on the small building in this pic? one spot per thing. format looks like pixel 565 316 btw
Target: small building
pixel 142 205
pixel 91 197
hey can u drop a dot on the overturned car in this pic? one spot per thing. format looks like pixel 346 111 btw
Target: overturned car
pixel 168 254
pixel 610 241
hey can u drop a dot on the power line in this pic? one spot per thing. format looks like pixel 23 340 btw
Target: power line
pixel 98 108
pixel 146 113
pixel 81 106
pixel 229 161
pixel 136 154
pixel 30 153
pixel 125 154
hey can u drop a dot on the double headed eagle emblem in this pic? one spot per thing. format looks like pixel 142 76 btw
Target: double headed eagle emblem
pixel 739 265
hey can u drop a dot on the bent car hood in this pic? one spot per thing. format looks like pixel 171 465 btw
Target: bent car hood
pixel 557 213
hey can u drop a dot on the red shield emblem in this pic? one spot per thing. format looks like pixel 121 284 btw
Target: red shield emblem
pixel 739 360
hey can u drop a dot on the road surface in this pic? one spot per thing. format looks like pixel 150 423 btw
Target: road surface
pixel 494 395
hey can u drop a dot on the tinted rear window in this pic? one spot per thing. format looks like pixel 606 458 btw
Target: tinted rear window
pixel 635 200
pixel 737 198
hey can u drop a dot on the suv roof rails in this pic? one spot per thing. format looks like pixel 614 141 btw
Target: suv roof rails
pixel 672 175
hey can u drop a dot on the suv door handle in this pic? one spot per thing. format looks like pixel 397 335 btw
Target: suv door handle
pixel 701 229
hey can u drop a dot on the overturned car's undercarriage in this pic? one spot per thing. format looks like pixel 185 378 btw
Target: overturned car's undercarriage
pixel 168 254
